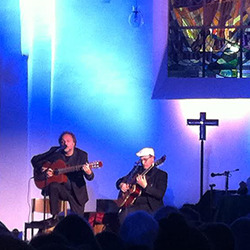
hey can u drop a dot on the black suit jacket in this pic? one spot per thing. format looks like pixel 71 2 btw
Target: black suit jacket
pixel 77 179
pixel 154 192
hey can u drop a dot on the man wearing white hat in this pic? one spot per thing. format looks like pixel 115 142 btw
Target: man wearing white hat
pixel 144 187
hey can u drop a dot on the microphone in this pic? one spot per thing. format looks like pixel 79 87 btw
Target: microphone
pixel 225 173
pixel 217 174
pixel 61 148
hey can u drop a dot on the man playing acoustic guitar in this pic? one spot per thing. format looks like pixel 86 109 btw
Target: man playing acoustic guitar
pixel 144 187
pixel 71 186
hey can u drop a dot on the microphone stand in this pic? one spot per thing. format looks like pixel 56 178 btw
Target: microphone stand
pixel 227 174
pixel 212 208
pixel 227 178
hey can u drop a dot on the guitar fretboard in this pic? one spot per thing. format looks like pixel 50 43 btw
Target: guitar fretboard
pixel 77 168
pixel 69 169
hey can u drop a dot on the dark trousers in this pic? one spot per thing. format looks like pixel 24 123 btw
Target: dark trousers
pixel 62 191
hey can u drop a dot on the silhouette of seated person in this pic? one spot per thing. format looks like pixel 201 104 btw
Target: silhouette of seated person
pixel 49 241
pixel 241 231
pixel 219 235
pixel 164 212
pixel 139 229
pixel 9 242
pixel 176 234
pixel 109 240
pixel 77 231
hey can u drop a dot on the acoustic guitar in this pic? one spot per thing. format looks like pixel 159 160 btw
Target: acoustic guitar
pixel 60 169
pixel 126 199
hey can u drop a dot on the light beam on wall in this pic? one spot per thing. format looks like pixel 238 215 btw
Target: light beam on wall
pixel 33 13
pixel 85 66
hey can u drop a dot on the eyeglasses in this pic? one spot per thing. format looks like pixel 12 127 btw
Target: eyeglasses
pixel 145 158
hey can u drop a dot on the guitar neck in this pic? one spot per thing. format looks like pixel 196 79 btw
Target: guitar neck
pixel 69 169
pixel 77 168
pixel 147 170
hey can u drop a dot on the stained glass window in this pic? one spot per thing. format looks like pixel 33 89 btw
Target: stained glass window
pixel 209 38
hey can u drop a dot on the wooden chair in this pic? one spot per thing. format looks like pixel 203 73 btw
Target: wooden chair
pixel 39 206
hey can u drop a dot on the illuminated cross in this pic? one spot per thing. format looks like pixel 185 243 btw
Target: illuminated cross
pixel 202 122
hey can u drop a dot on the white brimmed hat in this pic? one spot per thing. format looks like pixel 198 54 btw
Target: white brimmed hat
pixel 146 151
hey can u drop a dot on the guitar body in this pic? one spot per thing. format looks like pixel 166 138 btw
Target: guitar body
pixel 128 198
pixel 60 169
pixel 59 164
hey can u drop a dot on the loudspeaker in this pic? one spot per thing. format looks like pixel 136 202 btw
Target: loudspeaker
pixel 210 202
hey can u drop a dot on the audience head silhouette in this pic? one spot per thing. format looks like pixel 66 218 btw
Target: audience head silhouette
pixel 241 231
pixel 176 234
pixel 9 242
pixel 139 229
pixel 219 235
pixel 109 241
pixel 77 232
pixel 51 241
